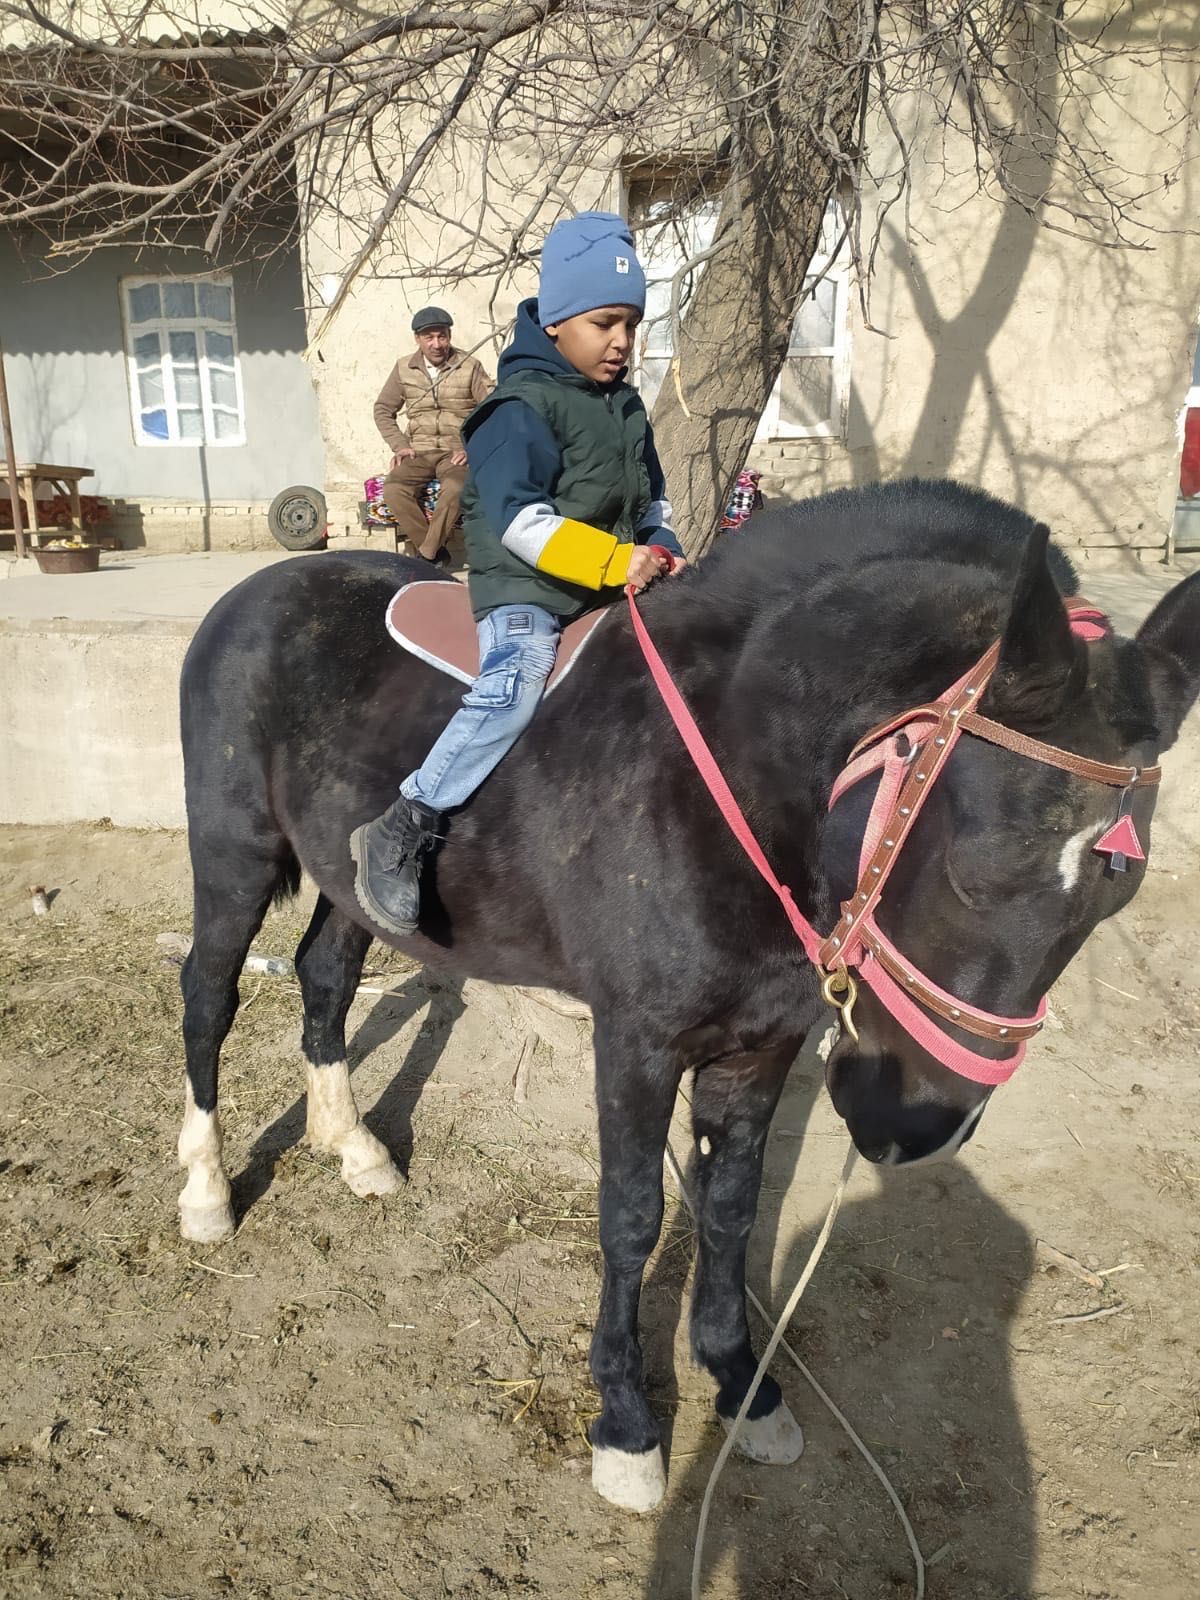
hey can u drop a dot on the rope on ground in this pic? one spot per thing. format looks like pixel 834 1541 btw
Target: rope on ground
pixel 773 1343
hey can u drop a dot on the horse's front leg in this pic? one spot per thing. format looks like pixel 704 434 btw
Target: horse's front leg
pixel 732 1105
pixel 635 1093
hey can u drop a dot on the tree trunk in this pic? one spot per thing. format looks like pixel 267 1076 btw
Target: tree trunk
pixel 734 336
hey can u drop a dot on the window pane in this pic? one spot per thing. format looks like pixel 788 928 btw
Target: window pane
pixel 191 424
pixel 656 326
pixel 179 299
pixel 185 369
pixel 806 391
pixel 219 347
pixel 150 388
pixel 154 423
pixel 143 302
pixel 147 351
pixel 831 228
pixel 222 388
pixel 653 372
pixel 216 301
pixel 814 320
pixel 226 424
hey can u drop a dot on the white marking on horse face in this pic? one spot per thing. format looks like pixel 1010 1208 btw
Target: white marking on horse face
pixel 705 1145
pixel 1070 860
pixel 895 1156
pixel 333 1124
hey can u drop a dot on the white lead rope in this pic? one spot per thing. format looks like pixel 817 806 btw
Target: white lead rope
pixel 773 1344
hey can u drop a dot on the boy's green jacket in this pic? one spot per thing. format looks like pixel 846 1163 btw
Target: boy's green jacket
pixel 564 481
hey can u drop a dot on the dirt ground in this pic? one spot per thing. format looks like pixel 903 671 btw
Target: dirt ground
pixel 389 1398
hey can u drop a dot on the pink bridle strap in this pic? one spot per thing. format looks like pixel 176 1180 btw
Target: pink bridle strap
pixel 908 774
pixel 714 780
pixel 922 1028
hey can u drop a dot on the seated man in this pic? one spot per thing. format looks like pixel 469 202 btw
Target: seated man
pixel 437 387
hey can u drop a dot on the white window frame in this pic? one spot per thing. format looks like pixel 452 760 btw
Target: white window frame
pixel 163 326
pixel 771 426
pixel 837 270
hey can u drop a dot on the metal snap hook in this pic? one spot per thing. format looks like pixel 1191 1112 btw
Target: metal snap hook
pixel 840 991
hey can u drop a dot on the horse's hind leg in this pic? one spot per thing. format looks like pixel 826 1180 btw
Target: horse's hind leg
pixel 231 895
pixel 732 1105
pixel 329 965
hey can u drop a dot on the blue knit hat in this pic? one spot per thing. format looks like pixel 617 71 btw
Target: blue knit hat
pixel 589 261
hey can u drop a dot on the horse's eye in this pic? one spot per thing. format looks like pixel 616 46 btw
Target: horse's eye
pixel 963 894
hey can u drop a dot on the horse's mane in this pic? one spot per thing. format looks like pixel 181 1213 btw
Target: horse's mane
pixel 913 521
pixel 877 596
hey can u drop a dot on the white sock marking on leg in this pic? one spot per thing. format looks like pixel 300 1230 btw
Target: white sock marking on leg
pixel 205 1214
pixel 334 1124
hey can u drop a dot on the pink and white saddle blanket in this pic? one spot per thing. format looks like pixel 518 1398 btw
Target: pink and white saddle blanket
pixel 433 620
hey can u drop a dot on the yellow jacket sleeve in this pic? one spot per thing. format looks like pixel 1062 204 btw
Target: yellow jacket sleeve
pixel 582 554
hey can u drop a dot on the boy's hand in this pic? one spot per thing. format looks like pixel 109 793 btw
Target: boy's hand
pixel 644 567
pixel 681 565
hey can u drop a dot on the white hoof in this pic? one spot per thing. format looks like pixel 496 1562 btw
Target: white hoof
pixel 366 1165
pixel 206 1224
pixel 776 1439
pixel 635 1482
pixel 381 1179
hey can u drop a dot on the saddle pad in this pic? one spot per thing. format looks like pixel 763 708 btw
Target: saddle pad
pixel 433 620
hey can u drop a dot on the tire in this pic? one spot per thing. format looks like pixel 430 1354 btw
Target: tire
pixel 297 518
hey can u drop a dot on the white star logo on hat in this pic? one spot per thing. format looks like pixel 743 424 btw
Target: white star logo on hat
pixel 622 263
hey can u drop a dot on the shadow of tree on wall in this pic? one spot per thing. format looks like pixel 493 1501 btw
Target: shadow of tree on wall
pixel 975 416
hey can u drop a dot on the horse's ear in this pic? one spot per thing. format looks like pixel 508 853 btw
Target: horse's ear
pixel 1042 665
pixel 1170 643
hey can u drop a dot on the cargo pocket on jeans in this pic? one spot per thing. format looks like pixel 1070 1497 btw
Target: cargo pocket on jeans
pixel 497 684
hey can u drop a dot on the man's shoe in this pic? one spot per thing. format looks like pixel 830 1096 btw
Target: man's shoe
pixel 441 559
pixel 388 854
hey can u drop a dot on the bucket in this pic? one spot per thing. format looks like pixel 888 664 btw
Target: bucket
pixel 79 558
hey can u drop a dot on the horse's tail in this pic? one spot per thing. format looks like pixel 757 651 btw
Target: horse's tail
pixel 288 886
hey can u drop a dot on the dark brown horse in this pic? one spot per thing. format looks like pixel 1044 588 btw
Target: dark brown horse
pixel 594 862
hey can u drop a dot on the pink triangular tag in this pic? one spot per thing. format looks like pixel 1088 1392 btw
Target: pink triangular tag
pixel 1088 623
pixel 1121 839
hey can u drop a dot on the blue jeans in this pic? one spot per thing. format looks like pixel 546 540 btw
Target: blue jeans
pixel 517 648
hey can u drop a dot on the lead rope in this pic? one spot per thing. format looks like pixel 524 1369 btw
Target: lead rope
pixel 773 1344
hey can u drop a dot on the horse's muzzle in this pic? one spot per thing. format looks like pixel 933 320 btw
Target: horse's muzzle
pixel 895 1115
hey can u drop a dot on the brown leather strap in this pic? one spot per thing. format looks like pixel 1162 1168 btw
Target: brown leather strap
pixel 931 757
pixel 914 984
pixel 1050 755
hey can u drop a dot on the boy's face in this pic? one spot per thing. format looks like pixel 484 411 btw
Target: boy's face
pixel 597 343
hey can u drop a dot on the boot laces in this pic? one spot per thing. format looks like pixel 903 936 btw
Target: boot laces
pixel 415 840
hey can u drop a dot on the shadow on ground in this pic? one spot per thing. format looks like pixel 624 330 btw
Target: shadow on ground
pixel 390 1119
pixel 907 1324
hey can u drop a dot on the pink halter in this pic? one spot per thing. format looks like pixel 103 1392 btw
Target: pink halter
pixel 909 752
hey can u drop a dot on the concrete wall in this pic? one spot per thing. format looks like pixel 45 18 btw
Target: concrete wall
pixel 89 722
pixel 69 388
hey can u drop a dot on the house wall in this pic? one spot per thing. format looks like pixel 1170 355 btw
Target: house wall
pixel 352 360
pixel 69 394
pixel 1042 367
pixel 1047 370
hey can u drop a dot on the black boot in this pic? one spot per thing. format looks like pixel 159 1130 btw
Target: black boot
pixel 388 854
